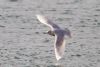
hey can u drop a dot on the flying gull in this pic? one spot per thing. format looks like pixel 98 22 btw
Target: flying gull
pixel 59 34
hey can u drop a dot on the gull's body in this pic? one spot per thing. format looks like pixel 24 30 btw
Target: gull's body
pixel 59 34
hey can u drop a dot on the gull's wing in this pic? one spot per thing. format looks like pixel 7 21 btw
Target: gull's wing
pixel 59 45
pixel 47 22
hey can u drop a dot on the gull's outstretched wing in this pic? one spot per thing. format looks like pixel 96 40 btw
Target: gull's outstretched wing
pixel 47 22
pixel 59 45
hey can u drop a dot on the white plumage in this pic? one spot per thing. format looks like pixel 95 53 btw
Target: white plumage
pixel 59 44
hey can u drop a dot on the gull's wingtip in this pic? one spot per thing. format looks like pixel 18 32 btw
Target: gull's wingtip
pixel 58 57
pixel 41 18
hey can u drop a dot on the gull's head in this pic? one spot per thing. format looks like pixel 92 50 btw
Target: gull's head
pixel 51 33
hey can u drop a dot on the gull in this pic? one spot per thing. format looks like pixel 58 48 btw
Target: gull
pixel 59 45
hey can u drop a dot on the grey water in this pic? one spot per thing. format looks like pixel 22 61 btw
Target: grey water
pixel 23 42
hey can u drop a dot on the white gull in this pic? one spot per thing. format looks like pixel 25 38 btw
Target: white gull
pixel 59 34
